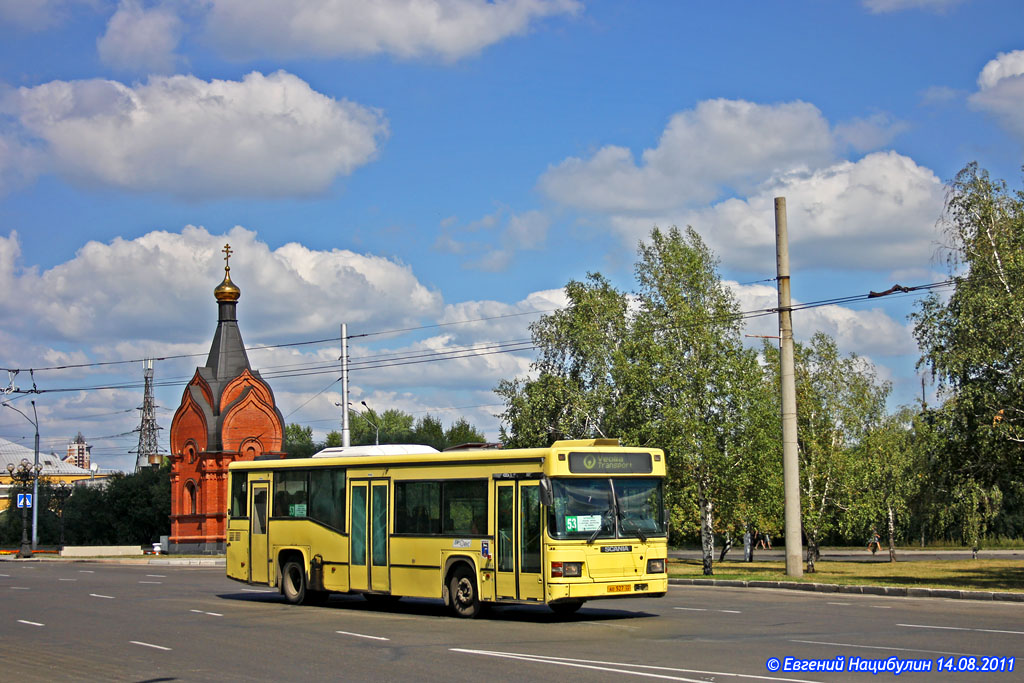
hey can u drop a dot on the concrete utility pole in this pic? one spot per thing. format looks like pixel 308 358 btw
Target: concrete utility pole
pixel 346 434
pixel 790 459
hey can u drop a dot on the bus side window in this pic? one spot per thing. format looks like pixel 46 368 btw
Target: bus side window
pixel 239 494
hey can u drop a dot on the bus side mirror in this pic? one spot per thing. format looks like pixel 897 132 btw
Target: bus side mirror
pixel 546 495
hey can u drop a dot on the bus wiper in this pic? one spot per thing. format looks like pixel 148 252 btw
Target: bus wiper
pixel 597 532
pixel 636 529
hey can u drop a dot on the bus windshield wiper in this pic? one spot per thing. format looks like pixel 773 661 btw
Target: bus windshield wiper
pixel 636 529
pixel 597 532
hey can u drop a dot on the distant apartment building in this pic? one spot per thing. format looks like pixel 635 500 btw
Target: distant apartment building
pixel 78 452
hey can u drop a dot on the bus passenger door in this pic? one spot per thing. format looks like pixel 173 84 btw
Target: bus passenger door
pixel 531 579
pixel 378 540
pixel 358 571
pixel 505 550
pixel 518 543
pixel 258 532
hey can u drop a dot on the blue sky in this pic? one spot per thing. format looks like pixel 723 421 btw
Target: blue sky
pixel 408 163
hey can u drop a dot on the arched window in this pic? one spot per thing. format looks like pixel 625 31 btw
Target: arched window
pixel 190 497
pixel 190 452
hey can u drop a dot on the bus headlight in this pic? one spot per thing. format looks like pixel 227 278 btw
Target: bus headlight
pixel 560 569
pixel 656 566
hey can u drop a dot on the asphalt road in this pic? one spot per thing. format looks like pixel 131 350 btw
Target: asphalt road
pixel 91 621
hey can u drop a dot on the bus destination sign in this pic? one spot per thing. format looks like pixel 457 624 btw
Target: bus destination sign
pixel 610 463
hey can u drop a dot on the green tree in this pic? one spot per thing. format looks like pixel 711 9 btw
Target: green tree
pixel 580 349
pixel 130 509
pixel 672 373
pixel 973 342
pixel 333 440
pixel 690 383
pixel 298 441
pixel 462 432
pixel 839 401
pixel 430 432
pixel 893 473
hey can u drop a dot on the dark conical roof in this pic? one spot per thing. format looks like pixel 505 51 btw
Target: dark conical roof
pixel 227 357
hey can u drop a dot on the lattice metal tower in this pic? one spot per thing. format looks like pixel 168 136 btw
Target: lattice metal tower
pixel 148 450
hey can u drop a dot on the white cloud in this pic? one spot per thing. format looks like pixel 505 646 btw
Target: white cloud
pixel 883 6
pixel 878 213
pixel 865 332
pixel 141 40
pixel 718 147
pixel 494 239
pixel 939 94
pixel 1001 91
pixel 149 288
pixel 36 15
pixel 263 136
pixel 449 29
pixel 873 132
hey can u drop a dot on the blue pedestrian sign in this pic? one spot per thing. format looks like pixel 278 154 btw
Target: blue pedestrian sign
pixel 24 500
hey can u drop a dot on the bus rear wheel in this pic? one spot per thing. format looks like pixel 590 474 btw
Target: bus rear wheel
pixel 464 597
pixel 566 606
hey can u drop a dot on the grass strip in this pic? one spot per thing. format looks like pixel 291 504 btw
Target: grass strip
pixel 981 574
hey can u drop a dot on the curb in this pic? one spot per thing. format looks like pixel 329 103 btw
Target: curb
pixel 894 591
pixel 165 562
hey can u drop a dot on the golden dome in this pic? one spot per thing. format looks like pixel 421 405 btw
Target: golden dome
pixel 227 290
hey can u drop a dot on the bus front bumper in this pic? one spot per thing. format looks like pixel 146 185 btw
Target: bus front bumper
pixel 647 587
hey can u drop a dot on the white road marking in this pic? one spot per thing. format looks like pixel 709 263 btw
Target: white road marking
pixel 86 571
pixel 844 604
pixel 19 588
pixel 361 635
pixel 30 623
pixel 97 595
pixel 67 579
pixel 701 609
pixel 157 647
pixel 6 576
pixel 882 606
pixel 691 609
pixel 256 590
pixel 157 576
pixel 212 614
pixel 158 582
pixel 610 666
pixel 880 647
pixel 961 628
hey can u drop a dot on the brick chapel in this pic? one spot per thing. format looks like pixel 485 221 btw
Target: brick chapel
pixel 227 413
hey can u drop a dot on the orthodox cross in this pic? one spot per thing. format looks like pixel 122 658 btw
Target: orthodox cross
pixel 227 254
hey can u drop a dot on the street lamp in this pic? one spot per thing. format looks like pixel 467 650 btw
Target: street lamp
pixel 35 485
pixel 24 473
pixel 376 428
pixel 58 497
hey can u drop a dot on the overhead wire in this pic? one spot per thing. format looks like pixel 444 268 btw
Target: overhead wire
pixel 420 356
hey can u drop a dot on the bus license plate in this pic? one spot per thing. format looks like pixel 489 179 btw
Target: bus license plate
pixel 619 588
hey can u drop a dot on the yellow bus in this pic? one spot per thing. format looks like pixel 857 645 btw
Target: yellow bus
pixel 580 520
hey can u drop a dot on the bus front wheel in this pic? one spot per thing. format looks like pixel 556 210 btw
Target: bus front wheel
pixel 293 583
pixel 464 597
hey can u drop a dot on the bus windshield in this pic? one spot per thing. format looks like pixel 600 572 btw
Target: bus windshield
pixel 606 508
